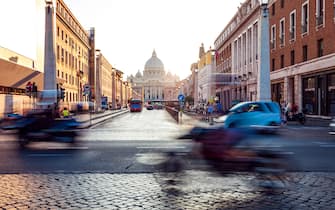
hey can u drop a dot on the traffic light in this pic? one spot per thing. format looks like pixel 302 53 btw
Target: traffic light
pixel 28 88
pixel 62 93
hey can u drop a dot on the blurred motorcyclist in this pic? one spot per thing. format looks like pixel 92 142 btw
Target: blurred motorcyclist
pixel 66 113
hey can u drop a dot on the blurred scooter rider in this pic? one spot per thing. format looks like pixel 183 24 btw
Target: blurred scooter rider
pixel 66 113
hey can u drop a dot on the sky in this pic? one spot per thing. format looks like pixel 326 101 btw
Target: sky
pixel 127 31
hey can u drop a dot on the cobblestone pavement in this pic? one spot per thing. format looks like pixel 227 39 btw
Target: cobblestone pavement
pixel 199 190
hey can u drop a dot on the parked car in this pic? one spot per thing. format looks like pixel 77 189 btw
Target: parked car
pixel 158 106
pixel 257 114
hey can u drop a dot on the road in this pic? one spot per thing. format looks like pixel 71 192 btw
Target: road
pixel 117 145
pixel 113 167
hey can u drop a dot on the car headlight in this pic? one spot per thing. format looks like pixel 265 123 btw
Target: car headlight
pixel 221 119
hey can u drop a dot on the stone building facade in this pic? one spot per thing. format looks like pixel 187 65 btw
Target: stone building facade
pixel 72 43
pixel 154 84
pixel 303 54
pixel 237 56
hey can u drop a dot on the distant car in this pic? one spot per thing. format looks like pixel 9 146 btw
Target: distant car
pixel 158 106
pixel 257 114
pixel 150 107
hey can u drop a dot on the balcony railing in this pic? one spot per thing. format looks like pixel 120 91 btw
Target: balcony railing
pixel 319 20
pixel 292 35
pixel 272 44
pixel 281 40
pixel 304 28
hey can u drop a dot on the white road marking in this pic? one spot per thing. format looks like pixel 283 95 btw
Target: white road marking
pixel 60 147
pixel 327 145
pixel 160 147
pixel 48 155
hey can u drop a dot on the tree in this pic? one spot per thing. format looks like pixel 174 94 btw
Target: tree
pixel 189 100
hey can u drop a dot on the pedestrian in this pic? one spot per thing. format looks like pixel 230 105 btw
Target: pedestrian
pixel 210 110
pixel 66 113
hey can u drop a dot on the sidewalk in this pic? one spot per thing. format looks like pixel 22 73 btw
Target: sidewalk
pixel 311 121
pixel 91 119
pixel 195 190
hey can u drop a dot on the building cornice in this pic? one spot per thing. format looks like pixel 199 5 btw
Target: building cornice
pixel 323 63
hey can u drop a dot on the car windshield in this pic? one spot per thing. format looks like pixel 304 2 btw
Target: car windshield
pixel 167 104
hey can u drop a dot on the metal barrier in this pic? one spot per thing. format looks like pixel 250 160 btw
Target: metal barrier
pixel 173 112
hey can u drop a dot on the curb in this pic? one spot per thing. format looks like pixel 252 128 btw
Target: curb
pixel 99 119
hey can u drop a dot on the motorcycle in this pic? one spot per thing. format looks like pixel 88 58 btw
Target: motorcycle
pixel 223 151
pixel 300 117
pixel 40 126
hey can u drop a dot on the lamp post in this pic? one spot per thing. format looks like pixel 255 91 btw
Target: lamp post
pixel 264 83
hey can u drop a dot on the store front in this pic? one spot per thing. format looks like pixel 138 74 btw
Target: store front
pixel 277 92
pixel 319 94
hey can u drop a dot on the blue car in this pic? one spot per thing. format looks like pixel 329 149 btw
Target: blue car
pixel 257 114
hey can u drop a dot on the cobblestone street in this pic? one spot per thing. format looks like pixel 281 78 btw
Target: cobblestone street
pixel 200 190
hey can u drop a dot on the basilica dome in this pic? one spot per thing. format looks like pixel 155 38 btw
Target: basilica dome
pixel 154 63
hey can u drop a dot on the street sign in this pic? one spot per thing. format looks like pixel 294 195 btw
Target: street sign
pixel 181 97
pixel 87 89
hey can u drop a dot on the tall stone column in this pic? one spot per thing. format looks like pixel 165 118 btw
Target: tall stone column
pixel 298 91
pixel 113 90
pixel 98 72
pixel 121 93
pixel 286 90
pixel 50 82
pixel 263 82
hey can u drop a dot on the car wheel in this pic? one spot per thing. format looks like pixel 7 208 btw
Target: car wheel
pixel 232 125
pixel 23 141
pixel 302 120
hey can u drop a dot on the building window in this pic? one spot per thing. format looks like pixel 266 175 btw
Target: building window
pixel 304 18
pixel 304 53
pixel 249 45
pixel 273 37
pixel 282 32
pixel 320 47
pixel 244 49
pixel 319 12
pixel 292 57
pixel 255 41
pixel 273 9
pixel 57 31
pixel 57 52
pixel 282 61
pixel 282 2
pixel 292 25
pixel 62 55
pixel 62 35
pixel 309 95
pixel 273 64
